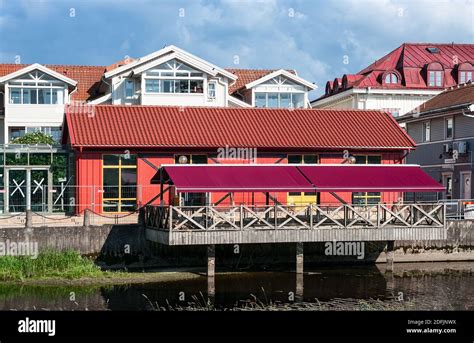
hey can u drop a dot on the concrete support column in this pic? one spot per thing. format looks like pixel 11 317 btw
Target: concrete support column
pixel 87 217
pixel 299 286
pixel 389 255
pixel 29 219
pixel 299 258
pixel 211 289
pixel 211 260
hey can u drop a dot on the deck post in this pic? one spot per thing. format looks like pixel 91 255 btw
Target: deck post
pixel 389 255
pixel 299 258
pixel 211 260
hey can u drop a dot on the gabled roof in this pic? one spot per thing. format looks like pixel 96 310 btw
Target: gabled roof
pixel 37 66
pixel 281 72
pixel 179 54
pixel 88 77
pixel 409 61
pixel 450 99
pixel 205 127
pixel 246 76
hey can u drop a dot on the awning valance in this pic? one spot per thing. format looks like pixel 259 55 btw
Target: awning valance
pixel 298 178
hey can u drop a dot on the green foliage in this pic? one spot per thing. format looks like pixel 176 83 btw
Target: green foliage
pixel 37 137
pixel 65 264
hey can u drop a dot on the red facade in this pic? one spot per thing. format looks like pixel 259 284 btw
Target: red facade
pixel 157 135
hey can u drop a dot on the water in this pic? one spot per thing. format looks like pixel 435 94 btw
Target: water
pixel 422 286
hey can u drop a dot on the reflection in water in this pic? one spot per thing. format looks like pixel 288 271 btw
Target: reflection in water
pixel 427 286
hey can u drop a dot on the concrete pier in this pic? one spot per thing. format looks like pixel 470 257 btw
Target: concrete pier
pixel 299 286
pixel 299 257
pixel 389 255
pixel 211 260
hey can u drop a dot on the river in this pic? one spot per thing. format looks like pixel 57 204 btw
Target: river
pixel 421 286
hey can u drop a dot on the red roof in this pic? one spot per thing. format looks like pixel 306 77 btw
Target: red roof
pixel 410 61
pixel 452 97
pixel 245 76
pixel 88 77
pixel 206 127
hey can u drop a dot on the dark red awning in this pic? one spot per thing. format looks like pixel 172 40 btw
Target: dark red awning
pixel 300 178
pixel 370 178
pixel 237 178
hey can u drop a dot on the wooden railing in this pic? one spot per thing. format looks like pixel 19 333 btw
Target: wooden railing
pixel 284 217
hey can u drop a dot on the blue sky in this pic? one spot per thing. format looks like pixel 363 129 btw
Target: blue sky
pixel 315 37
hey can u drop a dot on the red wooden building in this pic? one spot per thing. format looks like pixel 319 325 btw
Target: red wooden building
pixel 119 149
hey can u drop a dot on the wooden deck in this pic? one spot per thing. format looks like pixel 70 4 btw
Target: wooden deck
pixel 205 225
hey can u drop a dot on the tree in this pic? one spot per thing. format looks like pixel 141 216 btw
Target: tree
pixel 37 137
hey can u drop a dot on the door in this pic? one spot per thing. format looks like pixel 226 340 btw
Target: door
pixel 27 189
pixel 465 185
pixel 16 190
pixel 38 196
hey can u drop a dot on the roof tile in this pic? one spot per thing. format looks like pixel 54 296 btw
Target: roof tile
pixel 186 127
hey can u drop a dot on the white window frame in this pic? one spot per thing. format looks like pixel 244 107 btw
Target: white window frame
pixel 426 128
pixel 209 96
pixel 279 98
pixel 174 69
pixel 36 83
pixel 446 127
pixel 128 82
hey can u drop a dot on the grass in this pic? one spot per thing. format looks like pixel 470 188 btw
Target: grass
pixel 65 264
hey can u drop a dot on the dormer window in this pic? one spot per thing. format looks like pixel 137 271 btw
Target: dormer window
pixel 465 73
pixel 391 78
pixel 36 88
pixel 435 75
pixel 174 77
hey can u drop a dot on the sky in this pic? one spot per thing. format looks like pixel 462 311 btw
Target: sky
pixel 321 39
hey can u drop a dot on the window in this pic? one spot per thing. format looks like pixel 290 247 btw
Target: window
pixel 260 100
pixel 174 77
pixel 54 132
pixel 302 159
pixel 279 100
pixel 211 90
pixel 36 88
pixel 449 127
pixel 192 199
pixel 465 76
pixel 367 198
pixel 391 78
pixel 119 183
pixel 129 89
pixel 426 131
pixel 16 132
pixel 151 86
pixel 435 78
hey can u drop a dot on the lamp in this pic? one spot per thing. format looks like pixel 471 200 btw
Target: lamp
pixel 182 159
